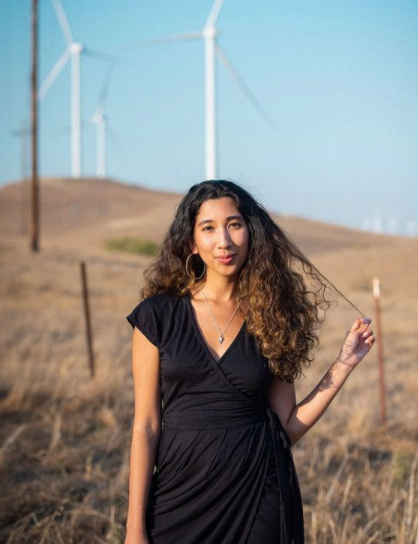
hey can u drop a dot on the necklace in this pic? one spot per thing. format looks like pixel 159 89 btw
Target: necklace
pixel 221 334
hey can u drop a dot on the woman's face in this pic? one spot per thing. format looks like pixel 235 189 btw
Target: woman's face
pixel 221 236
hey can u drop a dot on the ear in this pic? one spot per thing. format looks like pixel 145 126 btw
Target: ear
pixel 194 249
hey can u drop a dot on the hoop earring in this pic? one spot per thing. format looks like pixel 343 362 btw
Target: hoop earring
pixel 187 269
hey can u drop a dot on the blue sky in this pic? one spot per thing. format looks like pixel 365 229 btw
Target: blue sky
pixel 340 80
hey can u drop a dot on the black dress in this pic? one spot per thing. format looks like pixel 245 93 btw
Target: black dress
pixel 224 472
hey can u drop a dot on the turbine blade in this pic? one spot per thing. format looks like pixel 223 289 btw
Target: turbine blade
pixel 214 13
pixel 184 37
pixel 244 87
pixel 121 149
pixel 105 86
pixel 103 56
pixel 63 22
pixel 50 78
pixel 112 134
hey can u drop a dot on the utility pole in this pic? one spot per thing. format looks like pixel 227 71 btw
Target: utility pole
pixel 34 231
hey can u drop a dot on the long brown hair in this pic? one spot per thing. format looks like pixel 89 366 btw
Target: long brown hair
pixel 282 313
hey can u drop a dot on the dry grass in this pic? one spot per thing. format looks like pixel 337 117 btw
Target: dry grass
pixel 64 439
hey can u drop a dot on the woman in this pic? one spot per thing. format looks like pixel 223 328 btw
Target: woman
pixel 225 326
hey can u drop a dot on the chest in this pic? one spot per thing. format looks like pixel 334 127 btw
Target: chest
pixel 217 332
pixel 190 360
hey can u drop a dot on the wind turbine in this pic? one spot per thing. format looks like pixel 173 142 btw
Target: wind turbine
pixel 209 35
pixel 100 120
pixel 74 51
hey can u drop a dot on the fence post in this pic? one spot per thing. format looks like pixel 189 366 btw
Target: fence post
pixel 87 320
pixel 379 341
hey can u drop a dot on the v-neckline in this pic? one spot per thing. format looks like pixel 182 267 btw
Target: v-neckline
pixel 201 338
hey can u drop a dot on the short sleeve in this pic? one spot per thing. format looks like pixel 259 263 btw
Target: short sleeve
pixel 144 318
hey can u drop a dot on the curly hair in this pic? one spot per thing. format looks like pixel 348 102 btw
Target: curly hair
pixel 282 313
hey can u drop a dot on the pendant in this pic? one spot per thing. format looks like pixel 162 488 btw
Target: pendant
pixel 221 339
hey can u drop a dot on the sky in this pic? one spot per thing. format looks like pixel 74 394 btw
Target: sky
pixel 338 78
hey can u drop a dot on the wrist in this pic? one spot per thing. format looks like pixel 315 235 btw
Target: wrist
pixel 136 528
pixel 341 366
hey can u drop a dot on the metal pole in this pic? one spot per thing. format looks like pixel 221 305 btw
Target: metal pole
pixel 34 231
pixel 210 99
pixel 75 110
pixel 379 338
pixel 87 320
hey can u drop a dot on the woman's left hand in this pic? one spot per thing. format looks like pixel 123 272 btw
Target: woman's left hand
pixel 357 343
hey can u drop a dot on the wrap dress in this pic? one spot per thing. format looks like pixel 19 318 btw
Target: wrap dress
pixel 219 442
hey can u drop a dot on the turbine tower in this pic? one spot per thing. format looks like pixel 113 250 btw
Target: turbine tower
pixel 212 48
pixel 99 119
pixel 74 51
pixel 209 35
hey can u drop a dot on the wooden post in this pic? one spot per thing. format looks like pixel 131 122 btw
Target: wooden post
pixel 379 340
pixel 87 320
pixel 34 231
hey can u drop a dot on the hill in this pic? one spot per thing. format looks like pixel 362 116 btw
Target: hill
pixel 72 209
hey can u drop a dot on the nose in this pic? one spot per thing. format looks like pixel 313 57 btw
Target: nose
pixel 224 239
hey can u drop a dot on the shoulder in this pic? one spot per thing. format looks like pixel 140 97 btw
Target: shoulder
pixel 150 314
pixel 158 302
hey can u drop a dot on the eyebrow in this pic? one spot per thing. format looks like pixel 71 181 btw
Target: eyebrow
pixel 229 218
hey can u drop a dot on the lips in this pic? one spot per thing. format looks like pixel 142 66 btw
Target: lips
pixel 226 259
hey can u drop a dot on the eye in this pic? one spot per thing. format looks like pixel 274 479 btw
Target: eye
pixel 235 224
pixel 207 227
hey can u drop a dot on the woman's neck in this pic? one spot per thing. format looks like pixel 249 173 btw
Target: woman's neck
pixel 220 289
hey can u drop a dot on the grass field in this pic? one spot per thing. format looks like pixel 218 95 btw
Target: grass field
pixel 64 438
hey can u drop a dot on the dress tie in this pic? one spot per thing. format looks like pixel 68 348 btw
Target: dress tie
pixel 276 426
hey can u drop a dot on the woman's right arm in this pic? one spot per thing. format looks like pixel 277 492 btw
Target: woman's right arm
pixel 145 434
